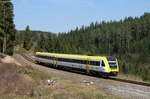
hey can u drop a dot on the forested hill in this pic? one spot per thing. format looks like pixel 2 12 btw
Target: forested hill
pixel 31 39
pixel 128 40
pixel 130 35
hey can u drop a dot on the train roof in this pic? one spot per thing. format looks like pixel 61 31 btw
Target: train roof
pixel 71 55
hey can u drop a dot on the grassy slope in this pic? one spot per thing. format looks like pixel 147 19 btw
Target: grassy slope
pixel 28 83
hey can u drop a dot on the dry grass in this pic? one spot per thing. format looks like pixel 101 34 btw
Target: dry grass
pixel 69 90
pixel 12 82
pixel 16 81
pixel 28 83
pixel 33 73
pixel 19 49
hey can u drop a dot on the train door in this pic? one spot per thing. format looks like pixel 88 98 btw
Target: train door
pixel 55 63
pixel 102 65
pixel 88 65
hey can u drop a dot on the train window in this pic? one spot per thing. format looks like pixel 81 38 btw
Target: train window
pixel 96 63
pixel 37 55
pixel 113 65
pixel 111 58
pixel 50 58
pixel 46 57
pixel 59 59
pixel 92 63
pixel 103 64
pixel 72 60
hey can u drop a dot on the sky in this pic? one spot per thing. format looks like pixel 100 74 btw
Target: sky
pixel 63 15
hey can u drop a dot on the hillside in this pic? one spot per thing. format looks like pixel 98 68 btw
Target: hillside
pixel 30 39
pixel 126 39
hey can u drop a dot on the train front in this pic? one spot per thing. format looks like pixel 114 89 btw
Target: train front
pixel 113 67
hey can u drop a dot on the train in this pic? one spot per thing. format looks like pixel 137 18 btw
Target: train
pixel 100 65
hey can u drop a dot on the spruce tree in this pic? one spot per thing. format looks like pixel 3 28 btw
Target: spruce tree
pixel 7 27
pixel 27 38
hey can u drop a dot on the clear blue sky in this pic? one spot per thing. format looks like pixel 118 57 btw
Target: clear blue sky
pixel 64 15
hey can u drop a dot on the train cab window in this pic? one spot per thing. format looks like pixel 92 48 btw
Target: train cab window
pixel 103 64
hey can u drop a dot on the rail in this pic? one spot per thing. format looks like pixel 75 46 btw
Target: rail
pixel 28 58
pixel 131 81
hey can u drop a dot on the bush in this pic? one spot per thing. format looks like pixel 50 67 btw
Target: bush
pixel 9 51
pixel 136 65
pixel 145 73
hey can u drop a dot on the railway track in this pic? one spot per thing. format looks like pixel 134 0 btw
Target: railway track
pixel 131 81
pixel 28 58
pixel 109 78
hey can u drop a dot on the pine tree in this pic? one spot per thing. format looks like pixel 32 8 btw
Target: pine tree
pixel 27 38
pixel 7 27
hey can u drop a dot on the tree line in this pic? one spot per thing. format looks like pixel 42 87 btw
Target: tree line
pixel 7 27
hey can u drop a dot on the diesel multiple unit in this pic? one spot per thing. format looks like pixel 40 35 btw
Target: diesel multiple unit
pixel 104 65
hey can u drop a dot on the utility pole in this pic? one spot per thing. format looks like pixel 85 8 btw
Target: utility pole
pixel 5 28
